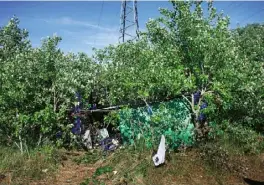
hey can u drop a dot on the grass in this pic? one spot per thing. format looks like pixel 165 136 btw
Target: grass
pixel 90 157
pixel 135 166
pixel 27 167
pixel 99 171
pixel 224 160
pixel 234 152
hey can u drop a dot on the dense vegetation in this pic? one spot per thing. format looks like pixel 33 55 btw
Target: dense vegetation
pixel 182 52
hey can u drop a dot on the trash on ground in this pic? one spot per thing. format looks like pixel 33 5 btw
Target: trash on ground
pixel 108 145
pixel 103 133
pixel 159 158
pixel 87 140
pixel 45 170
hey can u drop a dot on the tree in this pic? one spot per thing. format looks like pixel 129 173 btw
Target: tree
pixel 248 104
pixel 37 86
pixel 181 53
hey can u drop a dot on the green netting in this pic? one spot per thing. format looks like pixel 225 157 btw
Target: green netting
pixel 172 119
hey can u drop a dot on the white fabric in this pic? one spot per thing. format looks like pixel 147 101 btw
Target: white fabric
pixel 104 133
pixel 115 142
pixel 87 139
pixel 159 158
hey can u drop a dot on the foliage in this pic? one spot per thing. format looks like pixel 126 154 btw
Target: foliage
pixel 237 139
pixel 251 40
pixel 102 170
pixel 37 86
pixel 246 140
pixel 231 150
pixel 183 52
pixel 135 68
pixel 248 104
pixel 112 119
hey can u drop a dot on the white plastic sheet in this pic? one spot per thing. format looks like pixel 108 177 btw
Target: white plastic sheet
pixel 159 158
pixel 87 139
pixel 103 133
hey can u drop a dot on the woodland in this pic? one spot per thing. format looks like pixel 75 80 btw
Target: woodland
pixel 182 52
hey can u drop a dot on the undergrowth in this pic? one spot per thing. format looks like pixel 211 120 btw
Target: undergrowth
pixel 237 139
pixel 214 160
pixel 228 150
pixel 99 171
pixel 33 165
pixel 90 157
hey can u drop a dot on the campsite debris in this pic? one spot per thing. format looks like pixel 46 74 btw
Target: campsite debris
pixel 45 170
pixel 108 145
pixel 159 158
pixel 115 142
pixel 103 133
pixel 87 140
pixel 137 120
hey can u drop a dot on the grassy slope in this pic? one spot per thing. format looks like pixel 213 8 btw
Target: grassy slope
pixel 129 166
pixel 237 154
pixel 205 165
pixel 17 168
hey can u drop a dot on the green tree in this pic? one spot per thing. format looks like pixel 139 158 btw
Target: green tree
pixel 181 52
pixel 249 104
pixel 37 86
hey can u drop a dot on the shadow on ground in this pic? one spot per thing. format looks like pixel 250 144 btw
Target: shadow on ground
pixel 253 182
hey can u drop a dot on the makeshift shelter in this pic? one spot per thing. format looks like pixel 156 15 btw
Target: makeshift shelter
pixel 171 119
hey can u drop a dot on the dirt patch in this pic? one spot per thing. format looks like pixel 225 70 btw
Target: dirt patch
pixel 69 172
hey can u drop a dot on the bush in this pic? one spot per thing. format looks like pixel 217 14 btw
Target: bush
pixel 247 140
pixel 237 138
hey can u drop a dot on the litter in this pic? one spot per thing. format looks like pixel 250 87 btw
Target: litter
pixel 159 158
pixel 107 144
pixel 87 140
pixel 115 142
pixel 103 133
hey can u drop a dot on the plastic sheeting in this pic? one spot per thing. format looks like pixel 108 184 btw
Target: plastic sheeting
pixel 171 119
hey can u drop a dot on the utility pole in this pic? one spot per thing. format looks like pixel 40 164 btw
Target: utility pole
pixel 128 21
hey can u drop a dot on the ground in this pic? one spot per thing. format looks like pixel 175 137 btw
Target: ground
pixel 187 168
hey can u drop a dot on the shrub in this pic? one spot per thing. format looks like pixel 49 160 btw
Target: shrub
pixel 237 138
